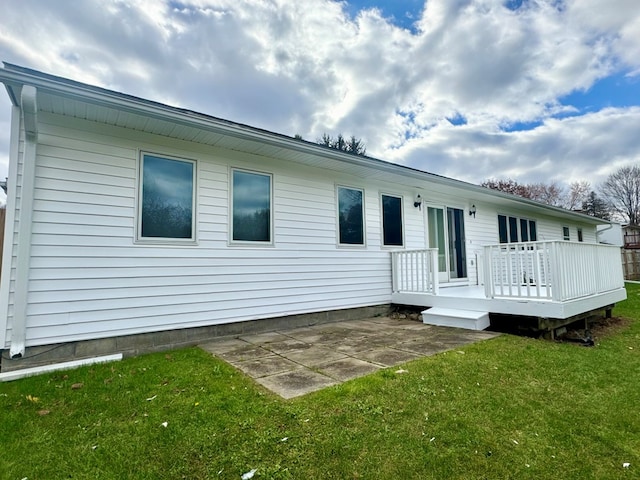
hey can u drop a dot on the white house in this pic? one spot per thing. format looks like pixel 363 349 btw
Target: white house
pixel 133 225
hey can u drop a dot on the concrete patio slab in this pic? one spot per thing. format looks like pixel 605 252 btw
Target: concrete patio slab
pixel 297 382
pixel 248 352
pixel 347 369
pixel 263 338
pixel 389 357
pixel 298 361
pixel 225 344
pixel 262 367
pixel 314 356
pixel 423 348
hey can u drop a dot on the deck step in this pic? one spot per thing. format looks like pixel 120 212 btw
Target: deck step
pixel 450 317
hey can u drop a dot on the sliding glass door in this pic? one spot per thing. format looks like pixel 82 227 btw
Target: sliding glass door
pixel 445 232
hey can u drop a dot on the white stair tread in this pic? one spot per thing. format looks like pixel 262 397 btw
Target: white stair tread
pixel 450 317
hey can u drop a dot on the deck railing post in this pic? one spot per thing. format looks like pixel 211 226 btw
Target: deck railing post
pixel 488 271
pixel 434 271
pixel 394 272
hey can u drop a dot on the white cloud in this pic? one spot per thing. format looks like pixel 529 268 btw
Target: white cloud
pixel 308 68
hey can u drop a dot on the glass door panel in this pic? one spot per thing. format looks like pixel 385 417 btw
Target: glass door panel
pixel 437 239
pixel 457 250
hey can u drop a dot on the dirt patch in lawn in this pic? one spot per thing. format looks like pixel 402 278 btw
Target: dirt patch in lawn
pixel 604 327
pixel 599 328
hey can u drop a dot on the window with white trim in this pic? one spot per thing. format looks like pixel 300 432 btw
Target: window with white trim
pixel 350 216
pixel 251 207
pixel 392 234
pixel 580 237
pixel 513 229
pixel 566 233
pixel 166 209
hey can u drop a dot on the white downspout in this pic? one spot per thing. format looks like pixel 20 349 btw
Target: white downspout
pixel 9 225
pixel 23 250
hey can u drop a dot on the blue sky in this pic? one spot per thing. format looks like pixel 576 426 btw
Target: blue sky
pixel 403 13
pixel 534 90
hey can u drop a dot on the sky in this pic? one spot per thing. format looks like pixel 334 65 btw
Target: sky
pixel 533 90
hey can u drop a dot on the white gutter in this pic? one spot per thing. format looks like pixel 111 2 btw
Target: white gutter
pixel 29 108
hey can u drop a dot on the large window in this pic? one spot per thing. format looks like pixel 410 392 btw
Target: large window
pixel 392 221
pixel 166 209
pixel 350 216
pixel 514 229
pixel 251 206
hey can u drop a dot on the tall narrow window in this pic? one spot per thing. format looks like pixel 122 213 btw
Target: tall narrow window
pixel 350 216
pixel 533 234
pixel 392 221
pixel 251 206
pixel 524 230
pixel 166 199
pixel 502 229
pixel 566 234
pixel 513 229
pixel 580 237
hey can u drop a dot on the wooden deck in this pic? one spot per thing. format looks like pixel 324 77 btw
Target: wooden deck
pixel 549 279
pixel 473 298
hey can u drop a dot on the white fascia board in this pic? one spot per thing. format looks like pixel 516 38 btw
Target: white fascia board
pixel 135 105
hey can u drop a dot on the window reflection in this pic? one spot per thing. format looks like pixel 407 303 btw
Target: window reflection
pixel 351 224
pixel 167 198
pixel 392 220
pixel 251 207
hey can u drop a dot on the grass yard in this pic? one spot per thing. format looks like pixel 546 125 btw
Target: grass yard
pixel 510 407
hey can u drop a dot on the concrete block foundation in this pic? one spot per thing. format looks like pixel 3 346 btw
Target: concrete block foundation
pixel 131 345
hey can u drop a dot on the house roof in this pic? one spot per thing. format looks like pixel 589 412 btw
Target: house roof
pixel 67 97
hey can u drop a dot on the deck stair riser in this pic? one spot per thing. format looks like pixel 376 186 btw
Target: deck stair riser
pixel 449 317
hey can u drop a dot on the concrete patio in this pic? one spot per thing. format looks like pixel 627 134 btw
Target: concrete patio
pixel 302 360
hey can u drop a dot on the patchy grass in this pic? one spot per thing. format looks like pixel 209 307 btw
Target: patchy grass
pixel 506 408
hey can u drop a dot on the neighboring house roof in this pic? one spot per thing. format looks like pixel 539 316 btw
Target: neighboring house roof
pixel 67 97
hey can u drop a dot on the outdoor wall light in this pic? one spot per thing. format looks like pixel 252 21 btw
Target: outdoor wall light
pixel 472 211
pixel 418 201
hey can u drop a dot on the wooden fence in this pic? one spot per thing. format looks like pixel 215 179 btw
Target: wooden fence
pixel 631 264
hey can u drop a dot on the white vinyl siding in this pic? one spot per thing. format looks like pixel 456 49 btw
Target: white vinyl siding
pixel 88 279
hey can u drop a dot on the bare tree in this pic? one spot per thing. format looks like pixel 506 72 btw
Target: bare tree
pixel 622 190
pixel 548 193
pixel 508 186
pixel 578 194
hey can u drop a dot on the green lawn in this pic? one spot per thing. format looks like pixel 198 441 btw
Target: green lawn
pixel 510 407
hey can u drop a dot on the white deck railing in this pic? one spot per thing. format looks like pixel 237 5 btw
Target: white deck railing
pixel 555 270
pixel 415 271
